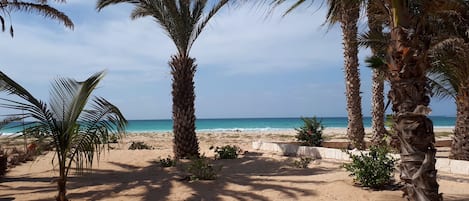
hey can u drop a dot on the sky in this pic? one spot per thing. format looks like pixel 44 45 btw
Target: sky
pixel 249 64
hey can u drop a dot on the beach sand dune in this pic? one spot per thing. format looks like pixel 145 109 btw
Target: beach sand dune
pixel 136 175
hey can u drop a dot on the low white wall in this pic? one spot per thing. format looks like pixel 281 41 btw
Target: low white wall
pixel 442 164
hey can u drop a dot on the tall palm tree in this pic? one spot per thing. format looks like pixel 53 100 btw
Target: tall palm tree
pixel 375 10
pixel 183 21
pixel 407 62
pixel 347 13
pixel 39 6
pixel 76 133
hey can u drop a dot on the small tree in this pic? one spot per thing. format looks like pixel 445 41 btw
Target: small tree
pixel 310 134
pixel 77 133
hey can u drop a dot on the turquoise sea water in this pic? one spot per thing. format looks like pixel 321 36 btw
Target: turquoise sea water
pixel 252 124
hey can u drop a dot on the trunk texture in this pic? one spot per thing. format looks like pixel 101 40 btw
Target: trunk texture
pixel 185 140
pixel 377 113
pixel 355 130
pixel 61 186
pixel 377 99
pixel 460 146
pixel 414 130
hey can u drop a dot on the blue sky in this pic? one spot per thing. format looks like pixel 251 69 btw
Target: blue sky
pixel 248 65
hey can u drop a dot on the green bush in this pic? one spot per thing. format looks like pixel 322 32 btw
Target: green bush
pixel 310 134
pixel 303 162
pixel 167 162
pixel 139 145
pixel 374 169
pixel 201 169
pixel 226 152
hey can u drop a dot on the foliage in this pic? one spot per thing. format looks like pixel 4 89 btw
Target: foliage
pixel 374 169
pixel 201 169
pixel 40 7
pixel 226 152
pixel 113 139
pixel 303 162
pixel 310 134
pixel 167 162
pixel 77 132
pixel 139 145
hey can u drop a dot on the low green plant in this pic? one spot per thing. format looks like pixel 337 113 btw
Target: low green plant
pixel 310 134
pixel 201 169
pixel 226 152
pixel 373 169
pixel 167 162
pixel 139 145
pixel 303 162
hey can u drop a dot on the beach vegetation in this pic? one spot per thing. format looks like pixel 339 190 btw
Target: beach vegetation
pixel 376 22
pixel 183 21
pixel 167 162
pixel 374 169
pixel 200 168
pixel 39 7
pixel 302 162
pixel 226 152
pixel 78 123
pixel 448 75
pixel 310 134
pixel 139 145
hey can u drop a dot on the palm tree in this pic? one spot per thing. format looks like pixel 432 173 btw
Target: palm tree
pixel 41 7
pixel 76 133
pixel 347 13
pixel 183 21
pixel 375 11
pixel 407 62
pixel 450 73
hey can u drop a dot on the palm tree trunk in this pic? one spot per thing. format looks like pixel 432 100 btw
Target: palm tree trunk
pixel 185 139
pixel 377 105
pixel 460 145
pixel 355 130
pixel 377 100
pixel 61 185
pixel 414 130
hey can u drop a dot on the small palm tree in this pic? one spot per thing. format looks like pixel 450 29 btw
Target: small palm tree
pixel 183 21
pixel 449 76
pixel 76 133
pixel 39 6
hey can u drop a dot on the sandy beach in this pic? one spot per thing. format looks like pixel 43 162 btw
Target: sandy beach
pixel 124 174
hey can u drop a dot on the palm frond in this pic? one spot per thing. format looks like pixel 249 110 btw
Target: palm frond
pixel 42 9
pixel 69 97
pixel 198 29
pixel 104 3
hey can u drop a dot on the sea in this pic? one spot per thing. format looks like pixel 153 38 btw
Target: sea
pixel 247 124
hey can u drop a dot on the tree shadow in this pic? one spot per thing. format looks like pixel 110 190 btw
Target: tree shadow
pixel 254 176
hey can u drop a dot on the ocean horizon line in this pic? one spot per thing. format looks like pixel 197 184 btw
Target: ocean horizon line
pixel 299 117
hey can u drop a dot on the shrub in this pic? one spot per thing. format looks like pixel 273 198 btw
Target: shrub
pixel 374 169
pixel 303 162
pixel 167 162
pixel 139 145
pixel 310 134
pixel 227 152
pixel 201 169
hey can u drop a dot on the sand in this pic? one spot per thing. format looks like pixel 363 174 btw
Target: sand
pixel 136 175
